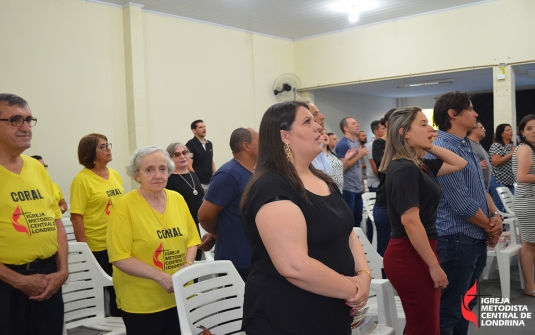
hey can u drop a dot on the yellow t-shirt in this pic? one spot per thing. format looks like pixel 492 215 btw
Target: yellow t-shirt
pixel 58 195
pixel 27 214
pixel 94 198
pixel 136 230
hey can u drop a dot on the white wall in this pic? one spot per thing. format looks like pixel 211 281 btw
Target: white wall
pixel 363 108
pixel 480 35
pixel 67 58
pixel 424 102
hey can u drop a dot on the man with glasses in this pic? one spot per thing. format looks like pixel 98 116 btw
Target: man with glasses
pixel 201 154
pixel 475 136
pixel 33 242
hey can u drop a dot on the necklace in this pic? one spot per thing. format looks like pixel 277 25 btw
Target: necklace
pixel 152 209
pixel 195 192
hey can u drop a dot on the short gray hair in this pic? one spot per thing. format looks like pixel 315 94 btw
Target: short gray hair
pixel 135 160
pixel 171 148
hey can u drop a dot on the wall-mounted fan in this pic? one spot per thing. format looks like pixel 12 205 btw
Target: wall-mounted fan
pixel 285 87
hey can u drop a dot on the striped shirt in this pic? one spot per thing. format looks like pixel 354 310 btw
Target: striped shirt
pixel 463 192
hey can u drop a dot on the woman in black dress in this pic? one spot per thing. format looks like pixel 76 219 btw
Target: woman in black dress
pixel 412 196
pixel 309 272
pixel 186 183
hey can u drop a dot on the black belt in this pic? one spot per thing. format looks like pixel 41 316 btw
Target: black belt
pixel 35 265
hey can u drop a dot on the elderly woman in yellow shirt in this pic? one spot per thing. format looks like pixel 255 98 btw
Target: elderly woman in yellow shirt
pixel 151 235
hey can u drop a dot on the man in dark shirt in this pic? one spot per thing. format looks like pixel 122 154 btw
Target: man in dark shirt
pixel 201 154
pixel 219 214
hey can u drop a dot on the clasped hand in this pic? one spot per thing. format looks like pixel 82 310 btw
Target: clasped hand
pixel 362 283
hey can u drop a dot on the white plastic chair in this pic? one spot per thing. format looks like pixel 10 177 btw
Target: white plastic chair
pixel 368 199
pixel 385 307
pixel 504 253
pixel 68 229
pixel 215 303
pixel 208 255
pixel 508 199
pixel 83 292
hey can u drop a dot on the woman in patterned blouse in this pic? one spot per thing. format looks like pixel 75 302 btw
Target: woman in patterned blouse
pixel 500 154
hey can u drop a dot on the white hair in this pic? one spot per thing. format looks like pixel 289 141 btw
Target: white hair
pixel 135 160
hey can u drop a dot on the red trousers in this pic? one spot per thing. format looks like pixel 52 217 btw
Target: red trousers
pixel 409 275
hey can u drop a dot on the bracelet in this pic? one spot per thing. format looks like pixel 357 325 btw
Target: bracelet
pixel 190 263
pixel 367 271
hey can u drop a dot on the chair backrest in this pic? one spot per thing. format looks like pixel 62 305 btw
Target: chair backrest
pixel 375 261
pixel 68 229
pixel 208 255
pixel 508 199
pixel 215 303
pixel 368 199
pixel 513 225
pixel 83 292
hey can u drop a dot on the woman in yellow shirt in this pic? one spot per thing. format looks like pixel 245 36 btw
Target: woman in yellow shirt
pixel 151 235
pixel 94 192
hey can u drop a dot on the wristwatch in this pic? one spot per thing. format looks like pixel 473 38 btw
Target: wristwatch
pixel 497 213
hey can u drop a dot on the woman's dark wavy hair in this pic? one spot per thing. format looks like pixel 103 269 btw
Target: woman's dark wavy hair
pixel 521 127
pixel 271 156
pixel 498 138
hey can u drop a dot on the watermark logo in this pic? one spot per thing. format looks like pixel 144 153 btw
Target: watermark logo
pixel 492 311
pixel 468 314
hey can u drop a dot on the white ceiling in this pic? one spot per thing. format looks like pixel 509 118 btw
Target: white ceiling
pixel 297 19
pixel 291 19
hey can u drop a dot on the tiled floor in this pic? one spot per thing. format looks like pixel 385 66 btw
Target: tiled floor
pixel 492 287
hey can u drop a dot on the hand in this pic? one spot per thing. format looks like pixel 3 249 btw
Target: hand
pixel 166 281
pixel 363 152
pixel 362 282
pixel 484 164
pixel 54 282
pixel 495 226
pixel 32 285
pixel 351 153
pixel 207 242
pixel 492 240
pixel 439 277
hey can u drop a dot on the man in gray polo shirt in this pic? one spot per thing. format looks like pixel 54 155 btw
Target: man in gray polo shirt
pixel 352 168
pixel 475 135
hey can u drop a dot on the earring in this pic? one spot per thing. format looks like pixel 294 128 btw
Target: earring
pixel 287 151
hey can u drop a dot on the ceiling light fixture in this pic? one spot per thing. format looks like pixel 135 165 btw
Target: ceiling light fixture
pixel 353 14
pixel 427 83
pixel 354 7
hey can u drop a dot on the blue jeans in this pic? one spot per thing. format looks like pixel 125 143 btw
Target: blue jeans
pixel 382 223
pixel 462 258
pixel 494 194
pixel 354 201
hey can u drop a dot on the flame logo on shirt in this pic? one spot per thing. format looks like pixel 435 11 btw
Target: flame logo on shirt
pixel 15 221
pixel 107 209
pixel 467 312
pixel 157 253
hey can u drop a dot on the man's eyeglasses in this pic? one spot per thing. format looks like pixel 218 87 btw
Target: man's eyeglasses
pixel 105 146
pixel 183 153
pixel 17 120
